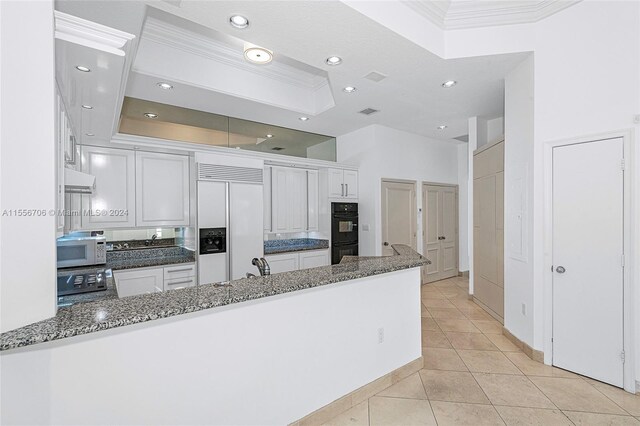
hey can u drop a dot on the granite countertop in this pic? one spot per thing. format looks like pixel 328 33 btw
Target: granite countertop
pixel 141 258
pixel 294 244
pixel 89 317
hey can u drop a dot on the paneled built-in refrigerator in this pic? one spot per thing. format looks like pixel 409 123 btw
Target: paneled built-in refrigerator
pixel 230 201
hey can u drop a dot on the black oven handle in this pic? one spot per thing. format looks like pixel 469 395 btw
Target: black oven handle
pixel 345 216
pixel 345 243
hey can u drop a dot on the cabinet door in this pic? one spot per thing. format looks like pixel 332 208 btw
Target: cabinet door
pixel 179 283
pixel 312 200
pixel 60 132
pixel 297 194
pixel 266 188
pixel 114 195
pixel 336 183
pixel 283 262
pixel 351 184
pixel 162 189
pixel 139 281
pixel 314 259
pixel 279 203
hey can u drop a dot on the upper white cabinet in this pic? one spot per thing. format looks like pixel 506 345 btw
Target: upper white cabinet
pixel 312 200
pixel 289 208
pixel 112 203
pixel 135 189
pixel 162 189
pixel 343 184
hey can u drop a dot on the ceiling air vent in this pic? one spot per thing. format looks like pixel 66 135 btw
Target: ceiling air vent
pixel 375 76
pixel 368 111
pixel 277 148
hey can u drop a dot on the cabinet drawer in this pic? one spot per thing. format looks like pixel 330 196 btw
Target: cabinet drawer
pixel 177 283
pixel 180 271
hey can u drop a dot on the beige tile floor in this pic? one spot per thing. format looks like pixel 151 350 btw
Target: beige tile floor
pixel 473 375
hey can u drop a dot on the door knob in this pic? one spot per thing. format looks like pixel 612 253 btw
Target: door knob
pixel 385 243
pixel 560 270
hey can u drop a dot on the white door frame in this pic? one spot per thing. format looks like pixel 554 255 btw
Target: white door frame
pixel 630 238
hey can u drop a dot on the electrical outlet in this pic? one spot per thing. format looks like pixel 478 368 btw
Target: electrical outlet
pixel 524 309
pixel 380 335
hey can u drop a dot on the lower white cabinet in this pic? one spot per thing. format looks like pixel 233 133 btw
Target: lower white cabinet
pixel 314 259
pixel 152 280
pixel 283 262
pixel 139 281
pixel 294 261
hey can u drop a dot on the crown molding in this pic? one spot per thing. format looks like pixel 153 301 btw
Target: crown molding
pixel 207 47
pixel 461 14
pixel 90 34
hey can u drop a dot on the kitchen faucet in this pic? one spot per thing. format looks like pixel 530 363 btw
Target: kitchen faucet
pixel 150 243
pixel 262 265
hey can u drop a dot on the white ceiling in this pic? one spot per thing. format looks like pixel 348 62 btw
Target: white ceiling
pixel 457 14
pixel 410 98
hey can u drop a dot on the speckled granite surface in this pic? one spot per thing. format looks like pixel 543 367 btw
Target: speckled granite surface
pixel 294 244
pixel 141 258
pixel 90 317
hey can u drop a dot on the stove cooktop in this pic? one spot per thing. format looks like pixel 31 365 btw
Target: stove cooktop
pixel 82 283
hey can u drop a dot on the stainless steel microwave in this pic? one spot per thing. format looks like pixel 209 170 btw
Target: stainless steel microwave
pixel 81 250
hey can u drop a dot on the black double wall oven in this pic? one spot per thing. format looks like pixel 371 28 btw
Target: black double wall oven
pixel 344 231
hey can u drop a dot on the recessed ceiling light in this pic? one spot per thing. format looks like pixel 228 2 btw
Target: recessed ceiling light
pixel 256 54
pixel 89 134
pixel 333 60
pixel 150 115
pixel 239 21
pixel 349 89
pixel 87 107
pixel 449 83
pixel 303 118
pixel 82 68
pixel 165 86
pixel 442 127
pixel 269 135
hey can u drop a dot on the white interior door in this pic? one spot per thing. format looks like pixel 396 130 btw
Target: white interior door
pixel 245 230
pixel 587 259
pixel 440 213
pixel 398 215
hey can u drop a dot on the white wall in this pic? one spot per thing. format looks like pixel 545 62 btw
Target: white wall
pixel 495 130
pixel 248 363
pixel 463 206
pixel 383 152
pixel 28 174
pixel 518 199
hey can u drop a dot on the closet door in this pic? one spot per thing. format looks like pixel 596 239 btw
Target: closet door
pixel 488 229
pixel 440 231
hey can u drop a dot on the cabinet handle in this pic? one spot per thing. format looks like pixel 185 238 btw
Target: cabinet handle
pixel 72 159
pixel 342 185
pixel 179 270
pixel 346 192
pixel 182 282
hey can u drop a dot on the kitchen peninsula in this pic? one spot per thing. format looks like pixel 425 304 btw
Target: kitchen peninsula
pixel 311 336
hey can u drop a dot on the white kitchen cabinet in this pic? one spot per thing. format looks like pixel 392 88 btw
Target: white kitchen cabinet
pixel 351 184
pixel 162 189
pixel 266 202
pixel 313 258
pixel 112 203
pixel 152 280
pixel 139 281
pixel 288 199
pixel 179 283
pixel 60 163
pixel 312 200
pixel 179 271
pixel 294 261
pixel 343 184
pixel 284 262
pixel 297 197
